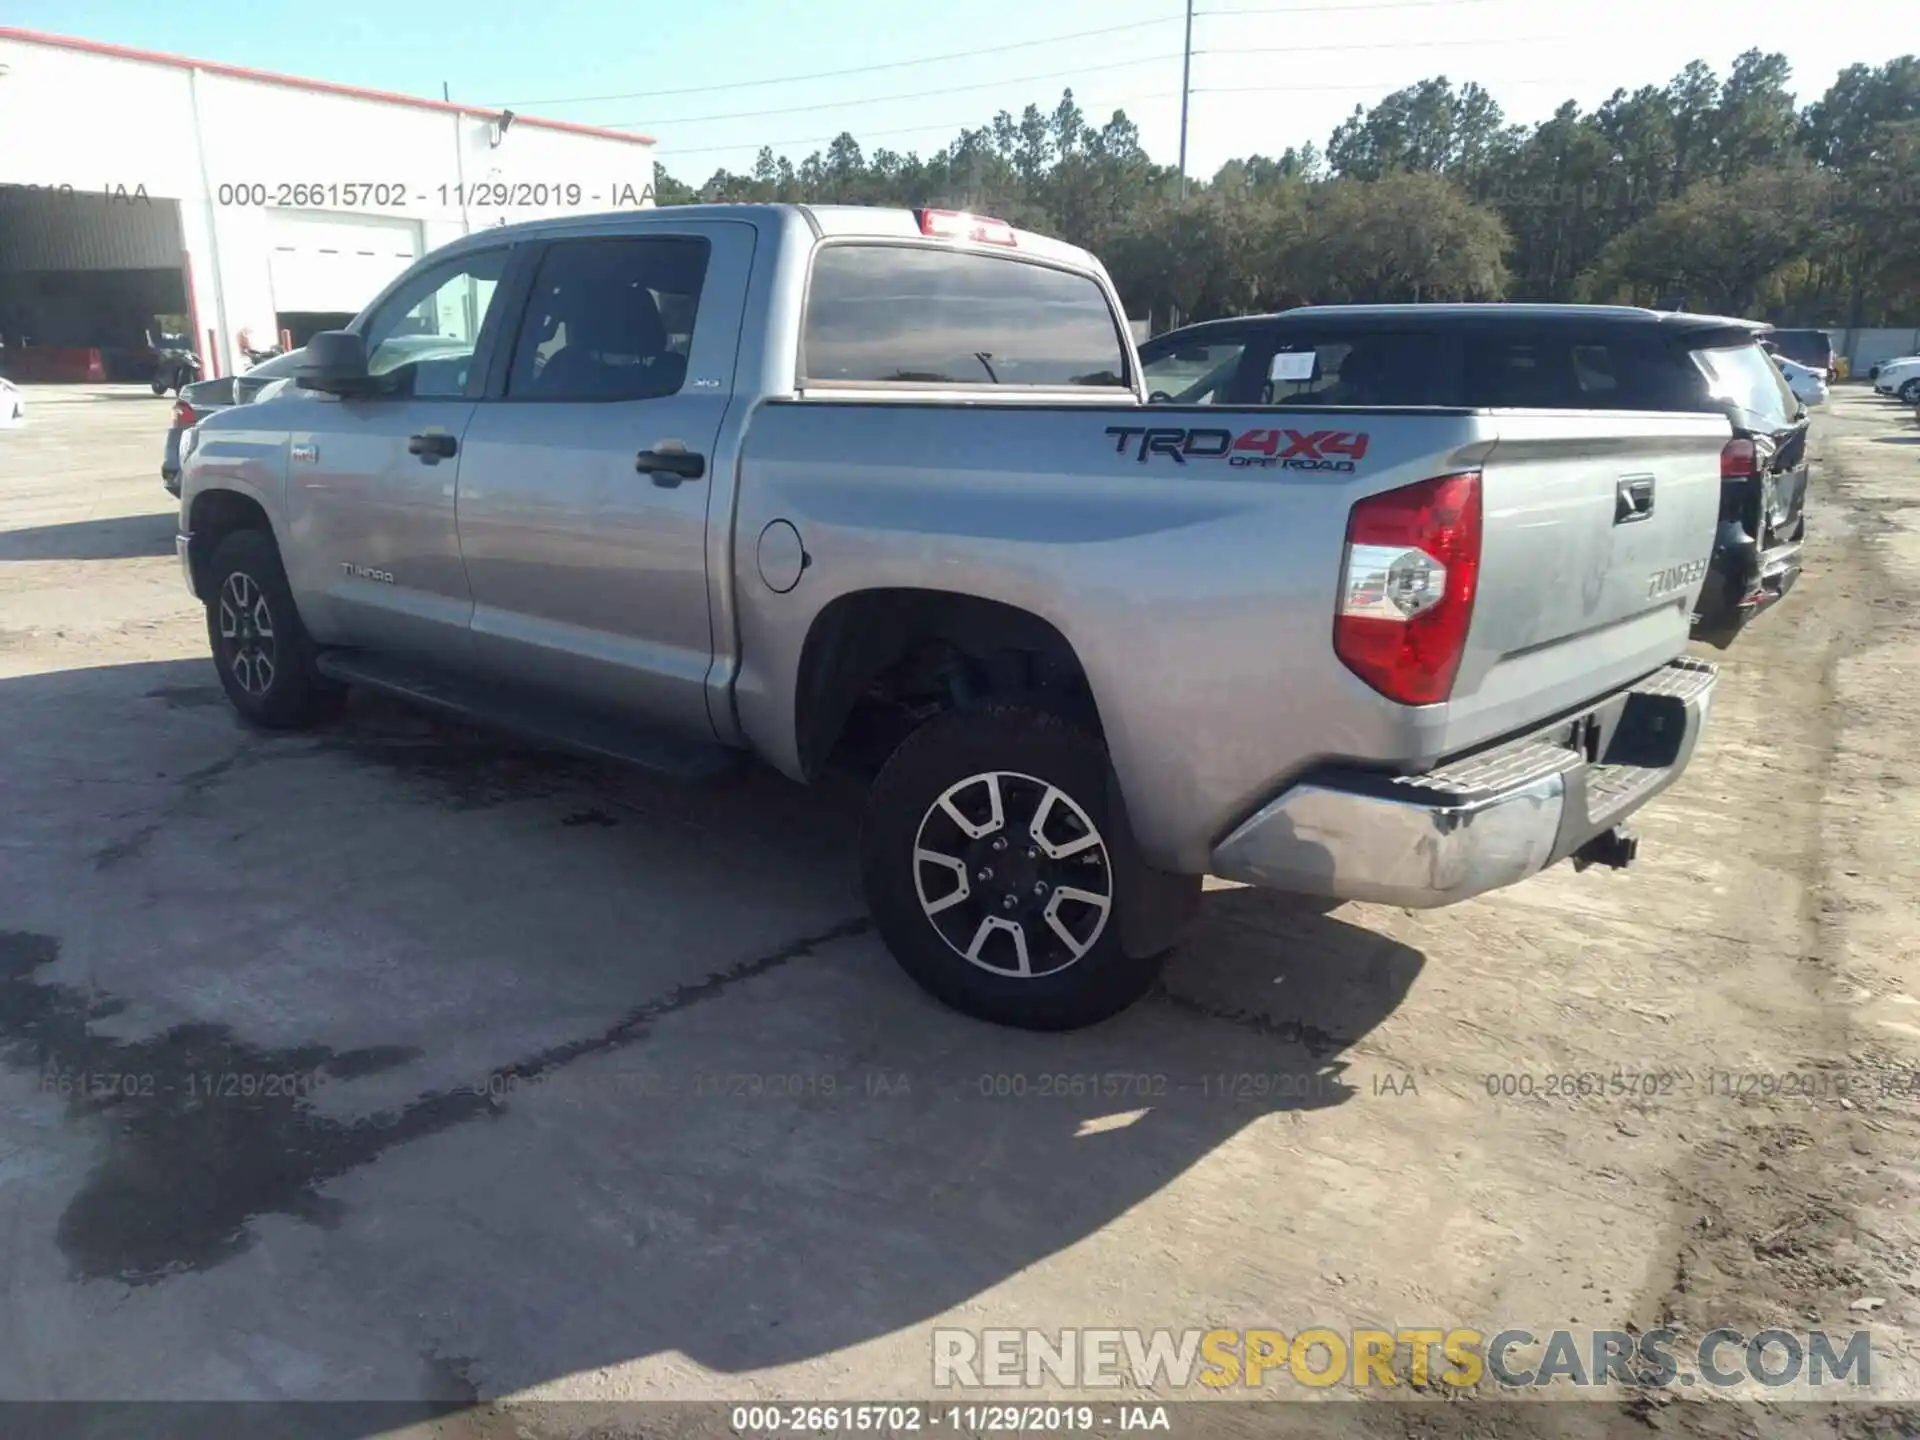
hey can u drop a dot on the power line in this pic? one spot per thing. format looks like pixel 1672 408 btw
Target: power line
pixel 969 123
pixel 861 69
pixel 1364 5
pixel 1291 89
pixel 1341 9
pixel 1340 48
pixel 1390 45
pixel 844 104
pixel 1187 88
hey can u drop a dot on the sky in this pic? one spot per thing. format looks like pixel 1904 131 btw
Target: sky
pixel 714 81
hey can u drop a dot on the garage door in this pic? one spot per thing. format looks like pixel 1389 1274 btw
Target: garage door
pixel 337 262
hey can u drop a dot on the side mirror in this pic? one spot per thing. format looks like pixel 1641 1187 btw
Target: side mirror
pixel 336 362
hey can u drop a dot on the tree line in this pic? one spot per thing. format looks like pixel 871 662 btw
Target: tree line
pixel 1712 193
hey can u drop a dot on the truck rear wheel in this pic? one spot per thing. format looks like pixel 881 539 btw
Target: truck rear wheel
pixel 260 648
pixel 992 863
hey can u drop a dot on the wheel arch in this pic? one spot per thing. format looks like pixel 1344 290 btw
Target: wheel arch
pixel 965 647
pixel 215 514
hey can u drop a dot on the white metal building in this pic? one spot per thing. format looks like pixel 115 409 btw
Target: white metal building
pixel 135 185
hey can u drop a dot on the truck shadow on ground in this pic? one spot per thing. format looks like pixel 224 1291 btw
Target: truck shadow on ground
pixel 789 1154
pixel 125 537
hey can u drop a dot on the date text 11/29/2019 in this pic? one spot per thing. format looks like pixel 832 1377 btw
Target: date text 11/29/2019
pixel 894 1419
pixel 399 195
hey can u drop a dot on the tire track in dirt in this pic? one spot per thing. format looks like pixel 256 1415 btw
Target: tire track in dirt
pixel 1776 1220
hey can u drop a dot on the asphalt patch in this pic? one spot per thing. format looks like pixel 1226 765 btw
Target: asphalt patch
pixel 202 1131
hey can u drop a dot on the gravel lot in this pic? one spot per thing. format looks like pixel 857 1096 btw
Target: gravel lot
pixel 727 1150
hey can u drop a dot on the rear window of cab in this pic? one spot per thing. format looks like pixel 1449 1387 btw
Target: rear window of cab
pixel 931 315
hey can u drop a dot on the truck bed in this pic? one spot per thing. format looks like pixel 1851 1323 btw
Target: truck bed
pixel 1207 544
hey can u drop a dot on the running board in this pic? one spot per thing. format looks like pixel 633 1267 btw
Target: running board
pixel 534 718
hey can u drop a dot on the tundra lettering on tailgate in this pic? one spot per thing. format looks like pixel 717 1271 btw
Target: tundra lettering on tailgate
pixel 1278 449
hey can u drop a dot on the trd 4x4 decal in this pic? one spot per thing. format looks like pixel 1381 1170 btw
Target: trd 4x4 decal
pixel 1334 450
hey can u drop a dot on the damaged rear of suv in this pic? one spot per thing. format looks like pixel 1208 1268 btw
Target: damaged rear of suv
pixel 1763 482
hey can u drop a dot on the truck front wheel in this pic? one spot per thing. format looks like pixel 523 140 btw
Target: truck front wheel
pixel 261 649
pixel 992 866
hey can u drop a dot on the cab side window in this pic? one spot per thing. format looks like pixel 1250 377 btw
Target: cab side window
pixel 610 320
pixel 422 338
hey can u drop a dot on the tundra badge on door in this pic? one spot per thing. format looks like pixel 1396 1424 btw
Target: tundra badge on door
pixel 1674 577
pixel 361 572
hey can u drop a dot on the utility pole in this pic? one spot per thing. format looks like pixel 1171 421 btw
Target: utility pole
pixel 1186 93
pixel 459 158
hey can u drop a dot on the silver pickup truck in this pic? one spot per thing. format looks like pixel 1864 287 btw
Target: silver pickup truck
pixel 687 486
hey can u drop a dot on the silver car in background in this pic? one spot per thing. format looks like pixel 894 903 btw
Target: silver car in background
pixel 1809 385
pixel 204 397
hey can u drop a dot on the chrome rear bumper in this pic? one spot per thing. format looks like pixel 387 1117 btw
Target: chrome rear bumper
pixel 1483 821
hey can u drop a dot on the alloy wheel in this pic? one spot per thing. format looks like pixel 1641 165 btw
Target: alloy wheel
pixel 1013 874
pixel 246 630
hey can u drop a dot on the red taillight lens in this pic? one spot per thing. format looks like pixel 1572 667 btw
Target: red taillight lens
pixel 1406 596
pixel 958 225
pixel 183 415
pixel 1738 460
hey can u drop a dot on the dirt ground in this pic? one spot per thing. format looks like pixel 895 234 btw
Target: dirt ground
pixel 623 1102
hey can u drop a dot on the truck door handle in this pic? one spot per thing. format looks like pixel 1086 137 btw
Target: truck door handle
pixel 433 443
pixel 670 464
pixel 1633 499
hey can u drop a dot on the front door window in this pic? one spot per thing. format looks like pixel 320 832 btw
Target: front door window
pixel 422 337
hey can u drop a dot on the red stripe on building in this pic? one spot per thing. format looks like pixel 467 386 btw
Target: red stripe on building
pixel 295 82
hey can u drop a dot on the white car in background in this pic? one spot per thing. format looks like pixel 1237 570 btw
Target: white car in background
pixel 1809 385
pixel 13 405
pixel 1900 378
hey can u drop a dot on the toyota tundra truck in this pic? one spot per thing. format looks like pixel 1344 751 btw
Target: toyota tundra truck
pixel 689 486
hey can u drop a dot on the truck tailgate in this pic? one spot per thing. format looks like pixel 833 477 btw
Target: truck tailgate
pixel 1597 528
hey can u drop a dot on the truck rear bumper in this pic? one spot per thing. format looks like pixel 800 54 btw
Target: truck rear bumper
pixel 1482 821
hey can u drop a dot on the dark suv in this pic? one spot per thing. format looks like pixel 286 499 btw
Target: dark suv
pixel 1551 357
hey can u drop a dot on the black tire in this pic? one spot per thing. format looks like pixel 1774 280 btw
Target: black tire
pixel 159 387
pixel 251 618
pixel 1910 392
pixel 1023 748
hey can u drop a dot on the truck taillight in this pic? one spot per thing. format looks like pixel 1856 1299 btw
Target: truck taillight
pixel 1738 460
pixel 1406 595
pixel 958 225
pixel 183 415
